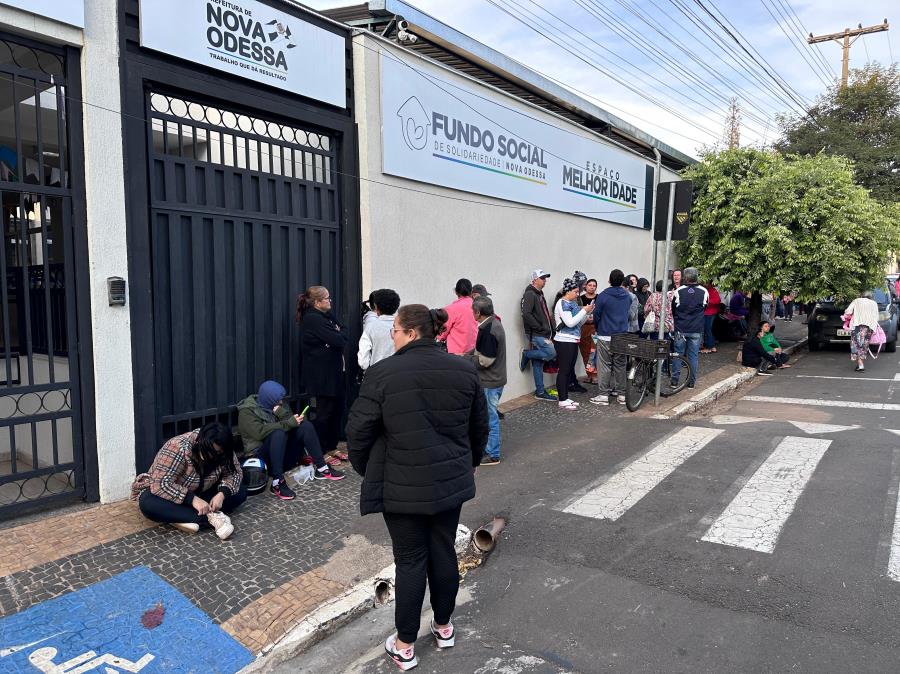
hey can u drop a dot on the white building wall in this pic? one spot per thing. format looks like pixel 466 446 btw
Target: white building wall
pixel 105 192
pixel 105 184
pixel 420 244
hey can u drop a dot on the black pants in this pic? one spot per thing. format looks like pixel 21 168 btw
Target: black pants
pixel 566 356
pixel 281 450
pixel 423 548
pixel 327 420
pixel 159 509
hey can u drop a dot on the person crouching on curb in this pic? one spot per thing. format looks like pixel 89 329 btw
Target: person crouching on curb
pixel 754 354
pixel 416 433
pixel 194 481
pixel 771 345
pixel 272 432
pixel 489 358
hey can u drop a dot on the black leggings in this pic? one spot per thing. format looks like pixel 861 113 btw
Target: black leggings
pixel 566 356
pixel 159 509
pixel 329 411
pixel 281 450
pixel 423 548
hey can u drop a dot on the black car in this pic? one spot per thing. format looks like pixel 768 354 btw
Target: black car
pixel 826 326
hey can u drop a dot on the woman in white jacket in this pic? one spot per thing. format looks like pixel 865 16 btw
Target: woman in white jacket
pixel 376 344
pixel 863 312
pixel 569 317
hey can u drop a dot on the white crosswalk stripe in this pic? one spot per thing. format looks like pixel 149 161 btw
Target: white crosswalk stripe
pixel 615 496
pixel 755 517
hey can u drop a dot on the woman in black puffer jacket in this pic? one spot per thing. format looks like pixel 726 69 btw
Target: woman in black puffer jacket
pixel 416 434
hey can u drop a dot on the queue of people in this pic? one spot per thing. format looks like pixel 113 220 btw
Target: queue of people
pixel 427 413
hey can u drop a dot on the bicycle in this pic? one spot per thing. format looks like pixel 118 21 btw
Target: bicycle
pixel 644 357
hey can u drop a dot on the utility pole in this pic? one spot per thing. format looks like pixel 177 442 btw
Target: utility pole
pixel 845 39
pixel 733 125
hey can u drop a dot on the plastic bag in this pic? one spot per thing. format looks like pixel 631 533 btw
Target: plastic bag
pixel 303 474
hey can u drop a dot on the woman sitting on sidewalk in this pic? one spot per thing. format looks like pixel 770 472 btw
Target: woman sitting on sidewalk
pixel 755 355
pixel 194 481
pixel 271 431
pixel 771 345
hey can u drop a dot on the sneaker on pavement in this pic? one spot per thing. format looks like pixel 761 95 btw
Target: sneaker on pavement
pixel 621 400
pixel 691 385
pixel 187 527
pixel 567 405
pixel 222 524
pixel 600 400
pixel 282 491
pixel 523 361
pixel 445 637
pixel 328 474
pixel 404 659
pixel 764 373
pixel 488 460
pixel 543 395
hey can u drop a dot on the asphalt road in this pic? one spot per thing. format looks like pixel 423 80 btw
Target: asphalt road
pixel 756 538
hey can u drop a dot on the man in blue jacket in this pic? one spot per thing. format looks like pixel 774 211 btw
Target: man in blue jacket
pixel 687 309
pixel 611 318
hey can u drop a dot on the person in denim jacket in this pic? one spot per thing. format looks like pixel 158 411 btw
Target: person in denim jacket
pixel 569 316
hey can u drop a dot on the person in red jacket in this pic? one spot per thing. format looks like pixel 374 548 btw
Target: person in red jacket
pixel 709 316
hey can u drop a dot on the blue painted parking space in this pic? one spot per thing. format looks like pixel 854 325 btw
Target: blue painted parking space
pixel 133 622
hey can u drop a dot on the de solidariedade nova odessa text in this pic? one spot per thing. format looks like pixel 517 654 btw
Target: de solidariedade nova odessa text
pixel 473 146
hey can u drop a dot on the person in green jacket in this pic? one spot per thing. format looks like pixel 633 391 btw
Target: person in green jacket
pixel 272 432
pixel 771 345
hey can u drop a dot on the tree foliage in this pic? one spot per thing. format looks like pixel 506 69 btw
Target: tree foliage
pixel 861 122
pixel 767 223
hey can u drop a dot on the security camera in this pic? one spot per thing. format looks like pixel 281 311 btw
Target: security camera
pixel 406 37
pixel 403 25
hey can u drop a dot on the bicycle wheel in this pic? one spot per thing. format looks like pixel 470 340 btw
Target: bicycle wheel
pixel 638 377
pixel 683 378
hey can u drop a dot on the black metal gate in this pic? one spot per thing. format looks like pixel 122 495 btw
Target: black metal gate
pixel 244 214
pixel 41 444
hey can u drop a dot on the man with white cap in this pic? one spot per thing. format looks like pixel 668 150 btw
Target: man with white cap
pixel 539 331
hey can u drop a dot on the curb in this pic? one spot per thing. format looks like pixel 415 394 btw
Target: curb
pixel 716 391
pixel 325 620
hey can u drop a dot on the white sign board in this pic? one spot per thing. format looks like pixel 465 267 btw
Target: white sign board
pixel 66 11
pixel 250 39
pixel 452 135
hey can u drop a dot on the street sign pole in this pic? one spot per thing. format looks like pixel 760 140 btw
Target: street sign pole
pixel 661 320
pixel 656 179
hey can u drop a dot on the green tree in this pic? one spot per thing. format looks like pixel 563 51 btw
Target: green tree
pixel 762 222
pixel 861 122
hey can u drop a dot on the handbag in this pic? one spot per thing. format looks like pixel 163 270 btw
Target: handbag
pixel 551 366
pixel 650 320
pixel 878 337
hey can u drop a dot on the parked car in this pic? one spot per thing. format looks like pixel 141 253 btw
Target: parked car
pixel 826 326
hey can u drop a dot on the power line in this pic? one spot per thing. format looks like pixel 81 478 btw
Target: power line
pixel 803 32
pixel 732 87
pixel 579 55
pixel 678 70
pixel 744 66
pixel 817 71
pixel 566 36
pixel 764 65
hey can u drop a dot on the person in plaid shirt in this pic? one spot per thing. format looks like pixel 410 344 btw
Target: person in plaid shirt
pixel 194 481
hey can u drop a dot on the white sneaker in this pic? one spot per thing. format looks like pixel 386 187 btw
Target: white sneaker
pixel 567 405
pixel 405 659
pixel 187 527
pixel 445 637
pixel 600 400
pixel 222 524
pixel 621 400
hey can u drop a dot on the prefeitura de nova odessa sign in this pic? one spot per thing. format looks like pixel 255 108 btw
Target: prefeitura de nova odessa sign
pixel 250 39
